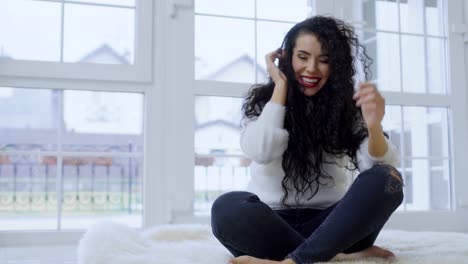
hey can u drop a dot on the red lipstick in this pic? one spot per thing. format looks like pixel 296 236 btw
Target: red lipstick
pixel 309 82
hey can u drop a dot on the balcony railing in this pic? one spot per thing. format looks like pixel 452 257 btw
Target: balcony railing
pixel 30 183
pixel 216 174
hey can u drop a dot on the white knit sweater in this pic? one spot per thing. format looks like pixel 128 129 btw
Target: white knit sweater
pixel 264 140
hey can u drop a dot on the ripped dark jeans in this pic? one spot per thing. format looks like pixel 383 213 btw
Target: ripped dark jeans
pixel 247 226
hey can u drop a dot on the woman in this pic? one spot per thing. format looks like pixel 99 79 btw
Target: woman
pixel 305 130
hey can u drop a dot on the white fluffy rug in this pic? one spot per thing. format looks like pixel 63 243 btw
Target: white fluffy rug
pixel 111 243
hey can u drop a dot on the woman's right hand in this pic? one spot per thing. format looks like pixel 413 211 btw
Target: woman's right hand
pixel 275 73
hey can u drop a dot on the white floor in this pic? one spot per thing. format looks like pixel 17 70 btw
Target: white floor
pixel 195 244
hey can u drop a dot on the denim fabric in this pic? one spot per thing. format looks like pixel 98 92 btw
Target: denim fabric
pixel 247 226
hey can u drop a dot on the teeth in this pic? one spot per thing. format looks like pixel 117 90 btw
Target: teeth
pixel 308 80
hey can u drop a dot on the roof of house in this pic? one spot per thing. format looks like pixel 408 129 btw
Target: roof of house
pixel 108 50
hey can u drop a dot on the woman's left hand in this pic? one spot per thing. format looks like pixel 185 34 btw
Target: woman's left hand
pixel 372 104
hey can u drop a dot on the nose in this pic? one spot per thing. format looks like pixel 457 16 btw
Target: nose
pixel 311 66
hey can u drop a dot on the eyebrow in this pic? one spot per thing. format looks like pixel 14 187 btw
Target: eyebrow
pixel 307 53
pixel 303 51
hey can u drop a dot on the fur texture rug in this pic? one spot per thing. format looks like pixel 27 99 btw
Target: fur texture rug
pixel 114 243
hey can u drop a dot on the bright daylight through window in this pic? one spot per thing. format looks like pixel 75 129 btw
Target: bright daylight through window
pixel 69 157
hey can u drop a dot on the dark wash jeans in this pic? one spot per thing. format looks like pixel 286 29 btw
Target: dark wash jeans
pixel 247 226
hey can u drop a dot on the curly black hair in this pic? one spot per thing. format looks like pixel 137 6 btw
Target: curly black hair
pixel 327 122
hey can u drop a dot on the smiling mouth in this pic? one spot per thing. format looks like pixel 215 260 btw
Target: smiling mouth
pixel 309 82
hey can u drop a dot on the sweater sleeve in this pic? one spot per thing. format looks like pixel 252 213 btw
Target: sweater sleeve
pixel 366 161
pixel 265 139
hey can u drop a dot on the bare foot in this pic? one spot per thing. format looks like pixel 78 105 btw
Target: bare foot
pixel 373 251
pixel 252 260
pixel 370 252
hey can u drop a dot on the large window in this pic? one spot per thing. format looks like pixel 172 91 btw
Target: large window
pixel 72 133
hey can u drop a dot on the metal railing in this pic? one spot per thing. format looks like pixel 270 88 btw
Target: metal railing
pixel 216 174
pixel 30 183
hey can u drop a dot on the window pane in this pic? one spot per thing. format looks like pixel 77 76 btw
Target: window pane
pixel 297 10
pixel 435 17
pixel 436 65
pixel 217 124
pixel 28 197
pixel 381 14
pixel 384 49
pixel 101 188
pixel 429 186
pixel 428 128
pixel 219 163
pixel 30 30
pixel 224 49
pixel 241 8
pixel 440 185
pixel 407 146
pixel 107 2
pixel 420 186
pixel 415 120
pixel 413 69
pixel 438 132
pixel 96 34
pixel 411 16
pixel 102 121
pixel 92 122
pixel 408 188
pixel 270 36
pixel 31 122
